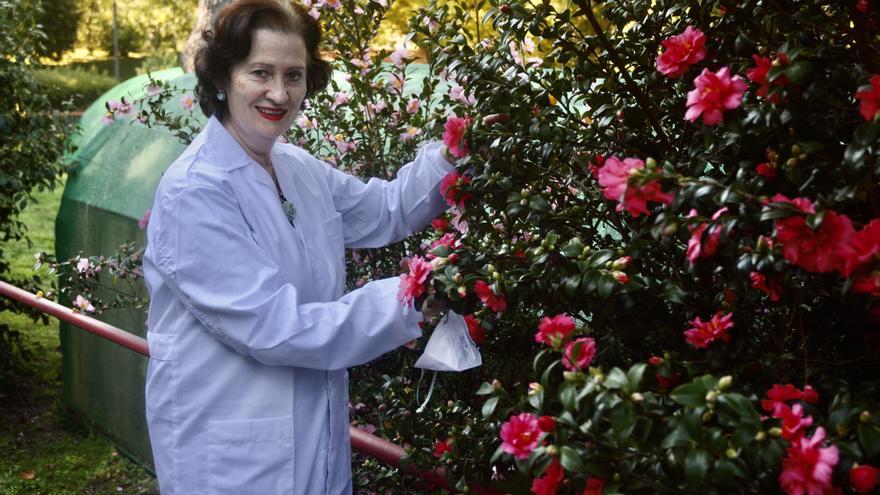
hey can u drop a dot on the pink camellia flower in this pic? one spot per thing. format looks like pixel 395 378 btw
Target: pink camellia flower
pixel 412 106
pixel 771 287
pixel 807 467
pixel 869 99
pixel 453 135
pixel 399 56
pixel 613 177
pixel 442 447
pixel 822 250
pixel 713 93
pixel 412 284
pixel 701 334
pixel 494 301
pixel 553 331
pixel 153 90
pixel 410 134
pixel 681 52
pixel 82 304
pixel 458 93
pixel 475 330
pixel 549 481
pixel 863 478
pixel 145 219
pixel 450 188
pixel 519 435
pixel 83 265
pixel 339 99
pixel 579 353
pixel 188 102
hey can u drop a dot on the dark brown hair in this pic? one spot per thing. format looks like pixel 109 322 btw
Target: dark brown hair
pixel 228 42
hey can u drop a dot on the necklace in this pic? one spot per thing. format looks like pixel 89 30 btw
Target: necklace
pixel 286 206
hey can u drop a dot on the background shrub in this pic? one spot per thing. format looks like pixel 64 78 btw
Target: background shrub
pixel 78 86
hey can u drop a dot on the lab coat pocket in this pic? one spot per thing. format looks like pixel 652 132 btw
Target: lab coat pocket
pixel 250 456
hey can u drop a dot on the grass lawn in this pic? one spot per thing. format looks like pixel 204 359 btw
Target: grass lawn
pixel 42 451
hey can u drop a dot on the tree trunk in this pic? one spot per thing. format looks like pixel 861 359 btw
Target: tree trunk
pixel 207 10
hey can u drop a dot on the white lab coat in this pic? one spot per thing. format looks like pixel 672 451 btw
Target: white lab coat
pixel 250 332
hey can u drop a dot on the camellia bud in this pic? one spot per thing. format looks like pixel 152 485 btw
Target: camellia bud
pixel 462 290
pixel 504 8
pixel 490 268
pixel 711 396
pixel 621 263
pixel 795 149
pixel 438 262
pixel 760 436
pixel 865 416
pixel 637 397
pixel 572 376
pixel 725 382
pixel 775 431
pixel 457 278
pixel 731 453
pixel 670 228
pixel 552 450
pixel 650 162
pixel 708 415
pixel 496 276
pixel 453 258
pixel 655 360
pixel 535 388
pixel 547 423
pixel 791 162
pixel 496 385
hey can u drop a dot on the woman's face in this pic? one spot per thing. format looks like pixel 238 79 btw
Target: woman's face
pixel 266 89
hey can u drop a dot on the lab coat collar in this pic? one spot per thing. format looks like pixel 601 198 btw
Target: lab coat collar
pixel 228 154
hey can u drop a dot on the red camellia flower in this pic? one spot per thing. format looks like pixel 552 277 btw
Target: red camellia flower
pixel 549 481
pixel 667 381
pixel 807 467
pixel 453 135
pixel 579 353
pixel 867 284
pixel 865 246
pixel 771 287
pixel 655 360
pixel 713 93
pixel 794 424
pixel 440 224
pixel 595 486
pixel 778 395
pixel 869 99
pixel 412 285
pixel 495 302
pixel 863 478
pixel 442 447
pixel 758 75
pixel 766 170
pixel 681 52
pixel 519 435
pixel 822 250
pixel 613 177
pixel 450 188
pixel 547 423
pixel 696 248
pixel 475 330
pixel 701 334
pixel 553 331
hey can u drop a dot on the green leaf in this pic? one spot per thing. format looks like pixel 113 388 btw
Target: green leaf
pixel 568 396
pixel 695 466
pixel 634 376
pixel 678 437
pixel 485 389
pixel 539 203
pixel 570 460
pixel 615 379
pixel 869 437
pixel 489 406
pixel 799 72
pixel 690 394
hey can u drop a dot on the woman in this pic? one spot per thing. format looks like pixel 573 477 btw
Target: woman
pixel 250 333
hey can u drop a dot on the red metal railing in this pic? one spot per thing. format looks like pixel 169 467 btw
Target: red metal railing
pixel 361 441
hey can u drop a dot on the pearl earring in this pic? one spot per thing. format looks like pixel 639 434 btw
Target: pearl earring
pixel 221 95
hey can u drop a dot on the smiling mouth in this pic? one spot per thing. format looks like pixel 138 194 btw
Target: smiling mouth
pixel 271 113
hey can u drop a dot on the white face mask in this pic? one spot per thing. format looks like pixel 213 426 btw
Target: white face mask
pixel 450 348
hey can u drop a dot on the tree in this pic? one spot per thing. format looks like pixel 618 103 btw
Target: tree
pixel 33 140
pixel 59 21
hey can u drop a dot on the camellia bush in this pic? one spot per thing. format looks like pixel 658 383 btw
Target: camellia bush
pixel 664 234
